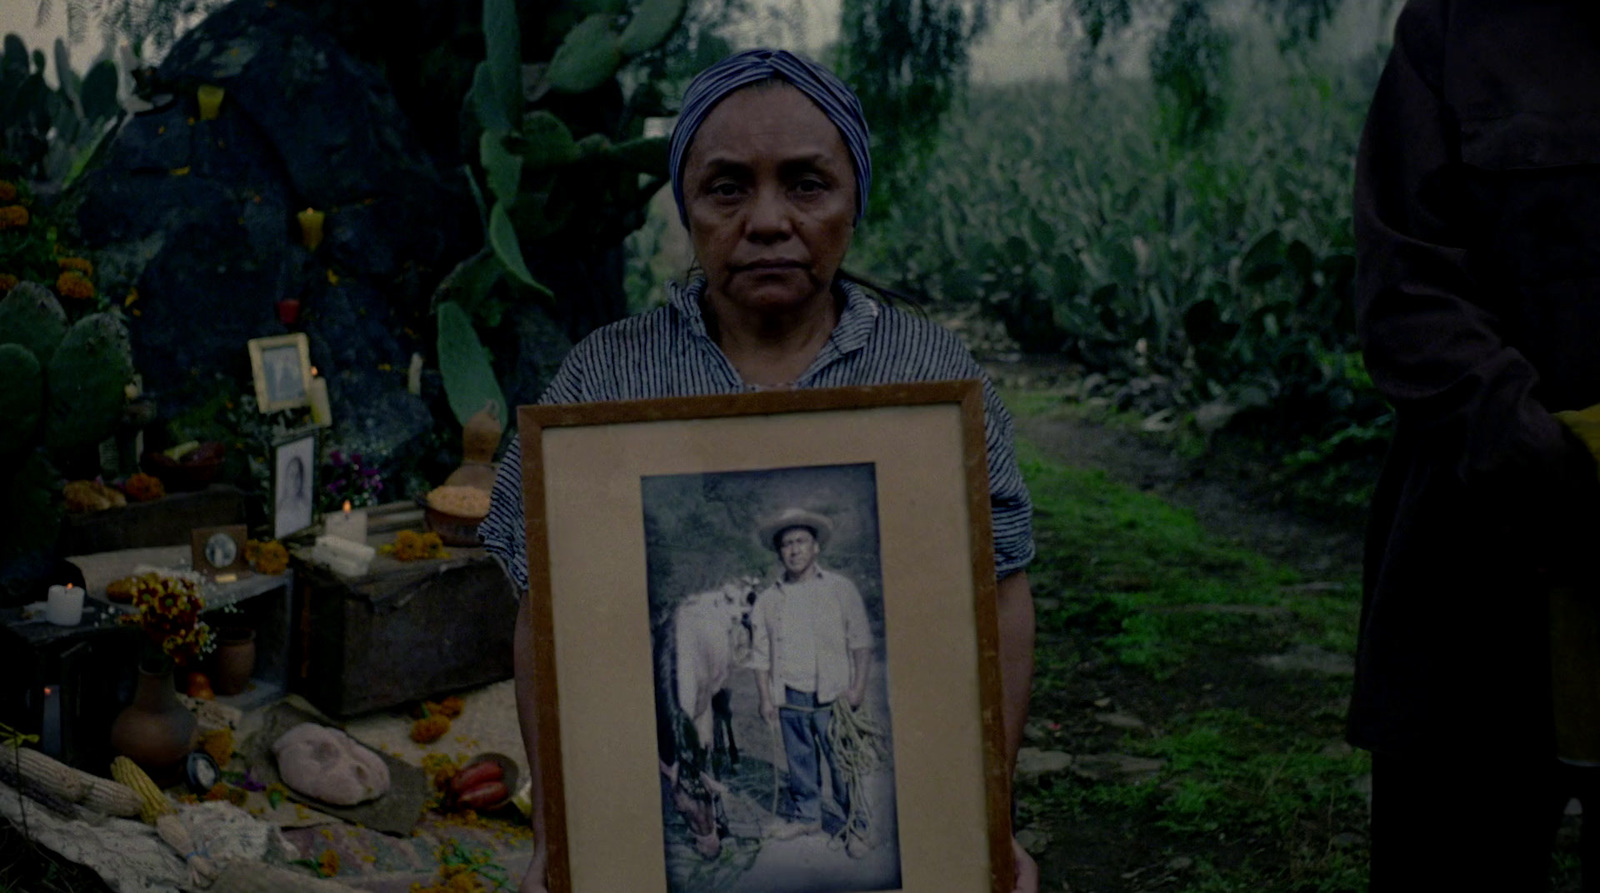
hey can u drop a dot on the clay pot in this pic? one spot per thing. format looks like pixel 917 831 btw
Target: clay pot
pixel 234 660
pixel 156 730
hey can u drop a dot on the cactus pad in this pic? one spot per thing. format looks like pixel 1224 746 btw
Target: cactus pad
pixel 85 381
pixel 21 399
pixel 32 317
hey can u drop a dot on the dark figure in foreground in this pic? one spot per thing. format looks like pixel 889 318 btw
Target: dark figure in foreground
pixel 1477 213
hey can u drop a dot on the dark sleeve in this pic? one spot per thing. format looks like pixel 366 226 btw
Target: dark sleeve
pixel 1431 343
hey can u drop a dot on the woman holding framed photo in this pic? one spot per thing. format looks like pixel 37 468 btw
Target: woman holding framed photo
pixel 771 173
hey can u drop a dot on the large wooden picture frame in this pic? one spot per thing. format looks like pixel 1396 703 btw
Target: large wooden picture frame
pixel 657 588
pixel 281 367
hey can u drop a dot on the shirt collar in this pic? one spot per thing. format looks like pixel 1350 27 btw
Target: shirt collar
pixel 849 335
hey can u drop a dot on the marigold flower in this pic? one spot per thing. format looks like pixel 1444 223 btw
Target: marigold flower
pixel 8 191
pixel 218 744
pixel 76 263
pixel 13 217
pixel 144 488
pixel 8 282
pixel 72 284
pixel 429 729
pixel 328 863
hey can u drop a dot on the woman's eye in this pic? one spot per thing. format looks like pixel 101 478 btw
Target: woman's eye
pixel 810 185
pixel 725 189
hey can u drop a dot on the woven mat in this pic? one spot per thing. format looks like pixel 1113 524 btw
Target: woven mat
pixel 380 863
pixel 396 812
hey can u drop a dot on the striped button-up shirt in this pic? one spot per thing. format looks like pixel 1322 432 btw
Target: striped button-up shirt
pixel 668 352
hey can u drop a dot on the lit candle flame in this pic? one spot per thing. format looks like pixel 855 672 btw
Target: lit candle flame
pixel 70 586
pixel 347 507
pixel 313 372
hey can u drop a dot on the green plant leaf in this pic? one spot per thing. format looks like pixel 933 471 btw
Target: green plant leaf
pixel 99 96
pixel 546 141
pixel 503 57
pixel 587 58
pixel 503 238
pixel 491 113
pixel 504 168
pixel 652 23
pixel 22 398
pixel 469 382
pixel 646 155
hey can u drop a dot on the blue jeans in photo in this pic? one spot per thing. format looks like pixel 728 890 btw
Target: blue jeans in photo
pixel 805 742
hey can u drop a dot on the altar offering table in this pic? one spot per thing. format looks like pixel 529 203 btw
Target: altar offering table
pixel 403 631
pixel 70 681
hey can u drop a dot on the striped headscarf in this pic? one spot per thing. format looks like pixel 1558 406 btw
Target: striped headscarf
pixel 713 85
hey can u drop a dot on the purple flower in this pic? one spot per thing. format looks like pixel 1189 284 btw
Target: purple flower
pixel 337 457
pixel 337 485
pixel 356 458
pixel 250 783
pixel 377 487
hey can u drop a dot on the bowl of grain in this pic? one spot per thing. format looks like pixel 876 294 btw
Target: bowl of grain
pixel 454 512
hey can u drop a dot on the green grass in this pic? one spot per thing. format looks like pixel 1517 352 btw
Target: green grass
pixel 1256 788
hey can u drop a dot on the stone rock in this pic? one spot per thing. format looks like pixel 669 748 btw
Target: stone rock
pixel 1311 659
pixel 1128 767
pixel 200 217
pixel 1119 720
pixel 1033 762
pixel 1033 840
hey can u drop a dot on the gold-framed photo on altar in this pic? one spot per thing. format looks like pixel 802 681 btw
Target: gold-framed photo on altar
pixel 281 368
pixel 766 643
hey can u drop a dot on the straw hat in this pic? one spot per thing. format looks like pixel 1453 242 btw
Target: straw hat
pixel 795 517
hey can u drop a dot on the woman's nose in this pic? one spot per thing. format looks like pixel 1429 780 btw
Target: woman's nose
pixel 769 214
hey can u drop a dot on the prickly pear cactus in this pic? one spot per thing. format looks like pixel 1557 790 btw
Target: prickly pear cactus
pixel 469 380
pixel 32 317
pixel 20 399
pixel 85 381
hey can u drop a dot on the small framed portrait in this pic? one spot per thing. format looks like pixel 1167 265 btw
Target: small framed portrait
pixel 294 465
pixel 219 550
pixel 282 369
pixel 775 661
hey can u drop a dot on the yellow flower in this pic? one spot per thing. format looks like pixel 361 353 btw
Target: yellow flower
pixel 13 217
pixel 8 191
pixel 328 863
pixel 7 282
pixel 76 263
pixel 72 284
pixel 133 295
pixel 333 278
pixel 180 171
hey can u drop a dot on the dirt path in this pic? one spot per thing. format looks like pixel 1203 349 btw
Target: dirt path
pixel 1223 496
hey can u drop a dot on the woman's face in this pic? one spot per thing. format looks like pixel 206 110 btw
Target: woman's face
pixel 771 199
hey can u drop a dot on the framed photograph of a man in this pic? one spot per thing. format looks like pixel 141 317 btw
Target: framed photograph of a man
pixel 281 366
pixel 294 463
pixel 775 657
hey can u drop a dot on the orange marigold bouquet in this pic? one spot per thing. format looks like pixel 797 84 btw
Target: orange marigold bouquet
pixel 73 284
pixel 269 557
pixel 144 488
pixel 168 610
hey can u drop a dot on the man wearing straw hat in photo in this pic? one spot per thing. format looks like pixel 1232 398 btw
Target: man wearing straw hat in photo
pixel 812 645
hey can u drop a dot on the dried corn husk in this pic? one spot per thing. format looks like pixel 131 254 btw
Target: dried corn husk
pixel 160 811
pixel 72 785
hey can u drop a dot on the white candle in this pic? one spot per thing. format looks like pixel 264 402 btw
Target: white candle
pixel 317 393
pixel 347 525
pixel 65 607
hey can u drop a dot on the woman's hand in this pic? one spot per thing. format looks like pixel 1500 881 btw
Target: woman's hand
pixel 534 880
pixel 1027 869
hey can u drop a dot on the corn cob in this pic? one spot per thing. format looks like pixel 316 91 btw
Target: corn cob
pixel 99 794
pixel 152 803
pixel 157 810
